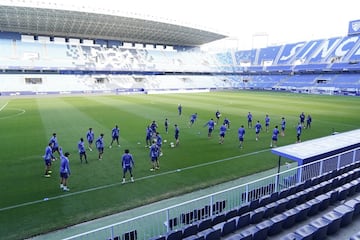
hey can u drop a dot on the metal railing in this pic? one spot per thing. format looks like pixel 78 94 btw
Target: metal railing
pixel 160 222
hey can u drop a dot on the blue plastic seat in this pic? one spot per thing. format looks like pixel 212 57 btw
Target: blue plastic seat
pixel 324 201
pixel 334 219
pixel 314 206
pixel 243 221
pixel 303 210
pixel 321 226
pixel 346 214
pixel 306 232
pixel 354 203
pixel 189 230
pixel 291 215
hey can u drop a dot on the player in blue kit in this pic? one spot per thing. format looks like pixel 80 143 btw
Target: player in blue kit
pixel 298 132
pixel 48 157
pixel 217 115
pixel 258 128
pixel 302 119
pixel 308 121
pixel 148 136
pixel 176 135
pixel 249 117
pixel 82 151
pixel 283 126
pixel 154 156
pixel 100 145
pixel 211 126
pixel 222 133
pixel 127 163
pixel 153 127
pixel 274 137
pixel 115 133
pixel 267 123
pixel 179 109
pixel 90 136
pixel 193 118
pixel 55 147
pixel 166 125
pixel 159 143
pixel 226 122
pixel 64 170
pixel 241 134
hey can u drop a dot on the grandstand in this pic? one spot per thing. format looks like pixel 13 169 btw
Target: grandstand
pixel 42 58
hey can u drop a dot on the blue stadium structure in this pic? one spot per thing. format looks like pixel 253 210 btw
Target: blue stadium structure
pixel 106 53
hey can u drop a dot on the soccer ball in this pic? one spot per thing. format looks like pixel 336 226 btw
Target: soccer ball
pixel 172 144
pixel 165 141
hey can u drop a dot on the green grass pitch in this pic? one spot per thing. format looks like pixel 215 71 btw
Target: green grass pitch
pixel 27 124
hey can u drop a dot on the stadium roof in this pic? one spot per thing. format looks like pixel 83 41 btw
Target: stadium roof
pixel 316 149
pixel 38 18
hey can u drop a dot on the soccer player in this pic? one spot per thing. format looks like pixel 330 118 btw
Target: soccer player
pixel 283 126
pixel 148 136
pixel 258 128
pixel 177 132
pixel 55 147
pixel 82 151
pixel 298 132
pixel 217 115
pixel 211 126
pixel 154 156
pixel 115 133
pixel 153 127
pixel 48 157
pixel 226 122
pixel 308 121
pixel 267 123
pixel 302 119
pixel 274 137
pixel 127 163
pixel 64 170
pixel 179 109
pixel 222 133
pixel 193 118
pixel 90 136
pixel 100 145
pixel 249 117
pixel 159 142
pixel 241 134
pixel 166 124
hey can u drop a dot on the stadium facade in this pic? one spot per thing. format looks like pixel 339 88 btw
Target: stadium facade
pixel 51 49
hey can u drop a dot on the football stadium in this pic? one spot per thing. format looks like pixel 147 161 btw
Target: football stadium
pixel 122 127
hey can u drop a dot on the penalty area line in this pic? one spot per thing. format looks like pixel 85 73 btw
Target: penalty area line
pixel 69 194
pixel 4 106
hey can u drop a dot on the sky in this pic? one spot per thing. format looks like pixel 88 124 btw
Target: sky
pixel 250 22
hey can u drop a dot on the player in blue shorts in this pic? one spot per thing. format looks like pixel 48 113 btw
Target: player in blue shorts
pixel 226 122
pixel 193 118
pixel 100 145
pixel 154 156
pixel 211 126
pixel 283 126
pixel 267 123
pixel 64 170
pixel 159 143
pixel 274 137
pixel 82 151
pixel 298 132
pixel 90 136
pixel 217 116
pixel 148 136
pixel 127 163
pixel 302 119
pixel 308 121
pixel 179 109
pixel 115 133
pixel 258 128
pixel 249 117
pixel 222 134
pixel 48 157
pixel 55 147
pixel 241 134
pixel 177 132
pixel 166 125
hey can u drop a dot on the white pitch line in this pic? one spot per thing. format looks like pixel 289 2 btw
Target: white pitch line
pixel 138 179
pixel 4 106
